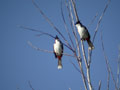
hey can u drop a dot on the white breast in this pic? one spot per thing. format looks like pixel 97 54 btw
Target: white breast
pixel 57 48
pixel 82 31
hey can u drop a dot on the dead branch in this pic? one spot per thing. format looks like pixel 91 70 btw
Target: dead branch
pixel 107 64
pixel 73 29
pixel 118 69
pixel 96 30
pixel 83 52
pixel 30 85
pixel 92 20
pixel 71 20
pixel 66 28
pixel 79 62
pixel 75 66
pixel 82 74
pixel 47 51
pixel 89 57
pixel 108 80
pixel 100 19
pixel 75 11
pixel 99 85
pixel 84 55
pixel 87 67
pixel 34 30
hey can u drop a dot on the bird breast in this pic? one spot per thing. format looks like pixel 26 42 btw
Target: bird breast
pixel 58 48
pixel 82 32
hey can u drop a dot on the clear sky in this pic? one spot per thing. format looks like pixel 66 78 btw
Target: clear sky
pixel 20 63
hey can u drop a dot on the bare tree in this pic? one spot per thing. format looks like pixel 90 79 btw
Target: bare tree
pixel 79 44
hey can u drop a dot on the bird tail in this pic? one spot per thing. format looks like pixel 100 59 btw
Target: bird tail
pixel 59 64
pixel 91 46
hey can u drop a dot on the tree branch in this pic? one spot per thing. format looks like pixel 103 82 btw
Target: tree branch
pixel 30 85
pixel 34 30
pixel 75 11
pixel 87 67
pixel 92 20
pixel 79 55
pixel 47 51
pixel 96 30
pixel 99 85
pixel 100 19
pixel 107 64
pixel 73 29
pixel 118 69
pixel 75 66
pixel 66 28
pixel 71 21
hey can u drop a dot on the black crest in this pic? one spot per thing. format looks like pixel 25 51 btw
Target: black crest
pixel 78 22
pixel 56 37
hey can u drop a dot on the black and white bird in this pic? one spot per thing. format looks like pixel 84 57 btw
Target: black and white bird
pixel 58 51
pixel 84 34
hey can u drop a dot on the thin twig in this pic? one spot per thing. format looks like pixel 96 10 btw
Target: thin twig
pixel 75 11
pixel 108 80
pixel 75 66
pixel 89 57
pixel 92 20
pixel 66 28
pixel 30 85
pixel 107 64
pixel 82 73
pixel 100 19
pixel 118 69
pixel 99 85
pixel 35 30
pixel 47 51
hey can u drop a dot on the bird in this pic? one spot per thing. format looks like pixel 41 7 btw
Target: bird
pixel 58 51
pixel 84 34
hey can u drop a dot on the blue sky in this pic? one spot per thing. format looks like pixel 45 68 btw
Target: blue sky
pixel 20 63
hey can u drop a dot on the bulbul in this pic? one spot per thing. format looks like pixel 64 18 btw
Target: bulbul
pixel 84 34
pixel 58 51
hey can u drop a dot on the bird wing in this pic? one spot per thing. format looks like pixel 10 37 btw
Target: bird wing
pixel 62 48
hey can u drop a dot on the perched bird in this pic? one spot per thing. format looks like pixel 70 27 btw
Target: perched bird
pixel 84 34
pixel 58 51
